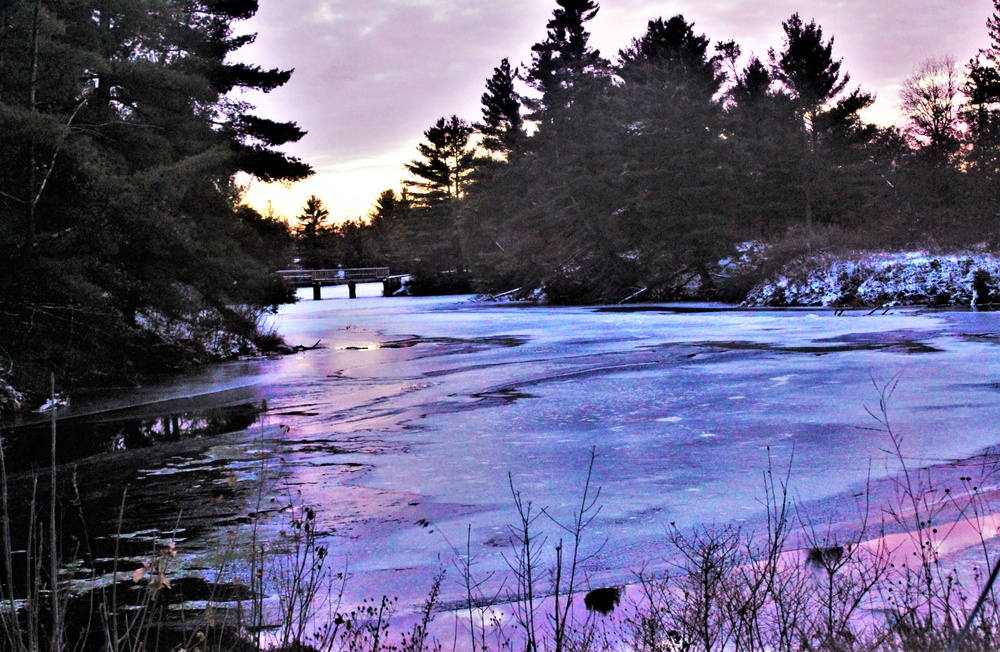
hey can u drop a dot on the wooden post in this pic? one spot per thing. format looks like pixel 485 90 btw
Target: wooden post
pixel 317 290
pixel 352 290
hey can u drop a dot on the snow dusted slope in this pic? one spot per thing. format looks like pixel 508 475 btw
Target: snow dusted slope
pixel 879 279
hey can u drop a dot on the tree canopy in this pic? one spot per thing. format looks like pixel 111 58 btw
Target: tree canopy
pixel 598 182
pixel 122 139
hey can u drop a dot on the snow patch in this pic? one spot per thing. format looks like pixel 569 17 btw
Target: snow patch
pixel 53 403
pixel 883 280
pixel 11 400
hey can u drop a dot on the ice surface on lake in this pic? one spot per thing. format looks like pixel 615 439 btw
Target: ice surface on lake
pixel 408 426
pixel 684 409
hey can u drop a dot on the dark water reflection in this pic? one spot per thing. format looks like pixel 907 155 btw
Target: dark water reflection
pixel 28 447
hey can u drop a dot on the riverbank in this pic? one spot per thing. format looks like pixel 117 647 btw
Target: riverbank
pixel 858 279
pixel 848 280
pixel 875 279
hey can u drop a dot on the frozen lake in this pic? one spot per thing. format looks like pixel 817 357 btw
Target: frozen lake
pixel 405 425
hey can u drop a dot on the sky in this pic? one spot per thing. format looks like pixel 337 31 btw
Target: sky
pixel 372 75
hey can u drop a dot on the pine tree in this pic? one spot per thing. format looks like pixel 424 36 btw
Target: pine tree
pixel 764 136
pixel 116 171
pixel 671 52
pixel 386 207
pixel 445 164
pixel 831 128
pixel 502 126
pixel 564 63
pixel 675 178
pixel 982 115
pixel 313 218
pixel 806 66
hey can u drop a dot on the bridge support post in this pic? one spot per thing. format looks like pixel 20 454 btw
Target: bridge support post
pixel 391 285
pixel 352 290
pixel 317 291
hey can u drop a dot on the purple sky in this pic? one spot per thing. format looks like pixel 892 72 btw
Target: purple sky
pixel 372 75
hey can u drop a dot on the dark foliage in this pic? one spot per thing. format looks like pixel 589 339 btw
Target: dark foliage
pixel 116 183
pixel 502 125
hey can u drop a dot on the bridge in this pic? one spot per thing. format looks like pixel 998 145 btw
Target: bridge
pixel 318 278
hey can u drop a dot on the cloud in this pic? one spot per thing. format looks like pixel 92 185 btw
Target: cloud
pixel 371 73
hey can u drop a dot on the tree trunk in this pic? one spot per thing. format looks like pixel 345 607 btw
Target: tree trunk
pixel 29 227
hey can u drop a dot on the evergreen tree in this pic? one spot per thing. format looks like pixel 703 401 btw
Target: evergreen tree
pixel 385 208
pixel 445 164
pixel 752 87
pixel 764 136
pixel 116 173
pixel 313 218
pixel 316 239
pixel 385 217
pixel 830 163
pixel 564 64
pixel 428 242
pixel 671 52
pixel 502 126
pixel 676 178
pixel 806 66
pixel 982 115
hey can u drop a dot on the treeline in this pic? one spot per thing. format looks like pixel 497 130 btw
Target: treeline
pixel 610 178
pixel 124 246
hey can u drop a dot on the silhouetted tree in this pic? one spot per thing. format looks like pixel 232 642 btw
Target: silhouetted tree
pixel 806 66
pixel 564 64
pixel 670 52
pixel 384 208
pixel 830 126
pixel 313 218
pixel 764 136
pixel 313 233
pixel 675 176
pixel 120 144
pixel 427 242
pixel 982 115
pixel 502 126
pixel 929 100
pixel 445 164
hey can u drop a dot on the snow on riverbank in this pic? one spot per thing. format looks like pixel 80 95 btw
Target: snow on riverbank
pixel 879 279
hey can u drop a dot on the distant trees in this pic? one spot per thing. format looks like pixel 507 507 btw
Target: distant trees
pixel 606 180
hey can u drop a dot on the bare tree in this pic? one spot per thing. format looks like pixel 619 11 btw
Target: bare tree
pixel 929 98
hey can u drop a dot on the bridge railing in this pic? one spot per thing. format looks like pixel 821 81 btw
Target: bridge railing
pixel 301 277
